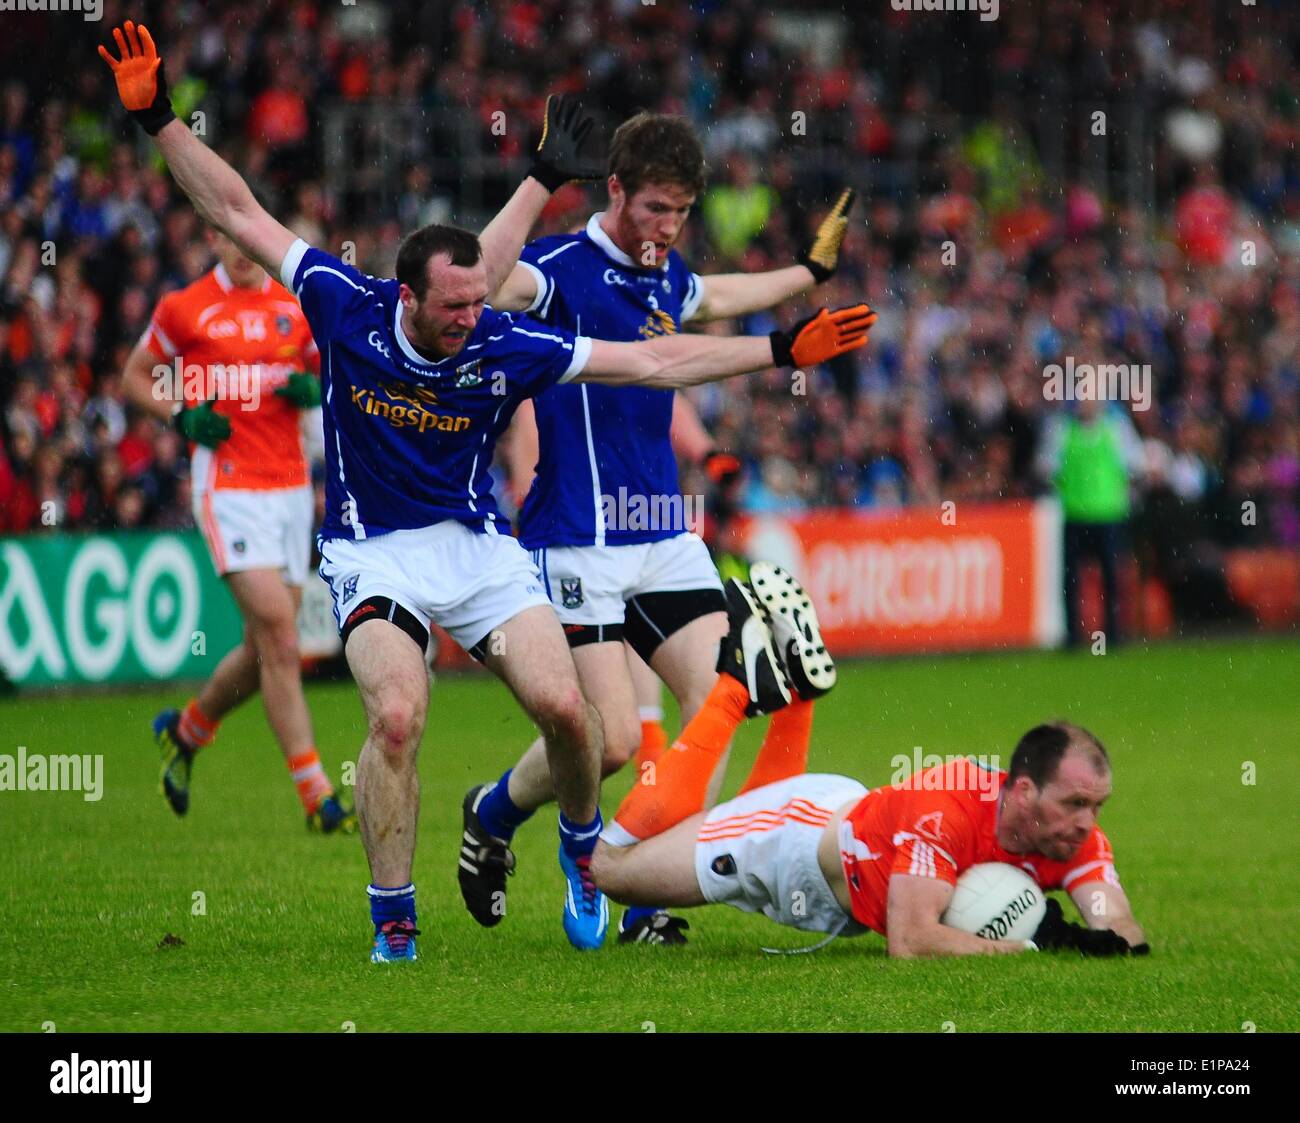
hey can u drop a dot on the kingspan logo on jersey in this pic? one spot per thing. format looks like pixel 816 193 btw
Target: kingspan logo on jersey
pixel 403 405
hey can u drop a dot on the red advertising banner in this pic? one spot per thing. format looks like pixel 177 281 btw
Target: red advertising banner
pixel 958 577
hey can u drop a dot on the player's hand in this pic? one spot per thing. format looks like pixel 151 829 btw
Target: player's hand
pixel 302 389
pixel 817 338
pixel 1056 933
pixel 564 130
pixel 141 83
pixel 202 424
pixel 821 256
pixel 721 467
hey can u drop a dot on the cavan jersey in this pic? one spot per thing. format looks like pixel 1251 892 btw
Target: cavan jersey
pixel 603 449
pixel 409 441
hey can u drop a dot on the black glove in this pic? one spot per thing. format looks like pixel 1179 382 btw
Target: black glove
pixel 822 255
pixel 1056 933
pixel 563 131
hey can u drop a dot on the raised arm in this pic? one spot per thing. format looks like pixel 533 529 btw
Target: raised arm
pixel 736 294
pixel 217 191
pixel 670 362
pixel 558 161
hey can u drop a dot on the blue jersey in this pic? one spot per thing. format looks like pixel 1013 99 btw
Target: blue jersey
pixel 603 449
pixel 408 441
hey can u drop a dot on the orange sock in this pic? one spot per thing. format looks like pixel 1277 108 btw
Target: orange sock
pixel 677 787
pixel 310 779
pixel 785 747
pixel 196 729
pixel 654 740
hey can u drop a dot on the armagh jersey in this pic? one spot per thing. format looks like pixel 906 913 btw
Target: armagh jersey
pixel 938 824
pixel 598 443
pixel 409 441
pixel 237 346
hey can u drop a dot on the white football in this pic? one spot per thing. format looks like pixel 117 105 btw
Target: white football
pixel 996 902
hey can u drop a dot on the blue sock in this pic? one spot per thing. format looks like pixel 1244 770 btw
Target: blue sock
pixel 579 839
pixel 391 904
pixel 633 913
pixel 498 813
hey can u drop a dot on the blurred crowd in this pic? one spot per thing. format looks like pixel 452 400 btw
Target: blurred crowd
pixel 997 231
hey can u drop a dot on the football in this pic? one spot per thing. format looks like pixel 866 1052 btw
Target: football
pixel 996 901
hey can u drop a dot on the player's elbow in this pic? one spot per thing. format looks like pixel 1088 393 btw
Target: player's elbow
pixel 901 943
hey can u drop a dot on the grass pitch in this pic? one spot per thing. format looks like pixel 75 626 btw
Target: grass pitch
pixel 89 890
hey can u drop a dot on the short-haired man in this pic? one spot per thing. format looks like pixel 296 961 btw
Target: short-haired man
pixel 824 854
pixel 421 377
pixel 252 501
pixel 604 518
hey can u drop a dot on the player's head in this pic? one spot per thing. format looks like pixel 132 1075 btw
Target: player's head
pixel 1058 779
pixel 443 287
pixel 656 171
pixel 243 271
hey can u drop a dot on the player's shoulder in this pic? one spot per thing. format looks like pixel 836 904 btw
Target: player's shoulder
pixel 555 250
pixel 202 290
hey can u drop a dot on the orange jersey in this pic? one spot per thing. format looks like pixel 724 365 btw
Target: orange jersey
pixel 938 823
pixel 235 347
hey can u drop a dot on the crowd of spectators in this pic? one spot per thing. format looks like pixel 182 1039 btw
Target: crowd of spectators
pixel 997 231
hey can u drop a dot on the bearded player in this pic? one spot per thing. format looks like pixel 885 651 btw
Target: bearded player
pixel 824 854
pixel 422 378
pixel 611 579
pixel 235 344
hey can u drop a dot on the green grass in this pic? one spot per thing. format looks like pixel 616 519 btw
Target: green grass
pixel 87 890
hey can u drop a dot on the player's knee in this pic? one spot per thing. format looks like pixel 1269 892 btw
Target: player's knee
pixel 396 725
pixel 275 640
pixel 622 740
pixel 565 715
pixel 605 867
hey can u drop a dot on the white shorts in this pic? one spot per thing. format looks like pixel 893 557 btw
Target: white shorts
pixel 445 574
pixel 265 529
pixel 758 852
pixel 591 584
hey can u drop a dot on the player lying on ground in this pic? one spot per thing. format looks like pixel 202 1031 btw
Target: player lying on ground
pixel 252 501
pixel 822 853
pixel 611 577
pixel 421 377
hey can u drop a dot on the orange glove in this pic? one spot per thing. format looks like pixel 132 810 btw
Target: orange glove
pixel 823 336
pixel 141 83
pixel 721 467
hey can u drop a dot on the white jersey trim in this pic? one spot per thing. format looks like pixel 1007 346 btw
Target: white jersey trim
pixel 292 259
pixel 581 357
pixel 543 286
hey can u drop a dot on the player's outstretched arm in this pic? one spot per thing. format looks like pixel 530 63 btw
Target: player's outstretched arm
pixel 914 931
pixel 558 161
pixel 737 294
pixel 217 191
pixel 670 362
pixel 1105 907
